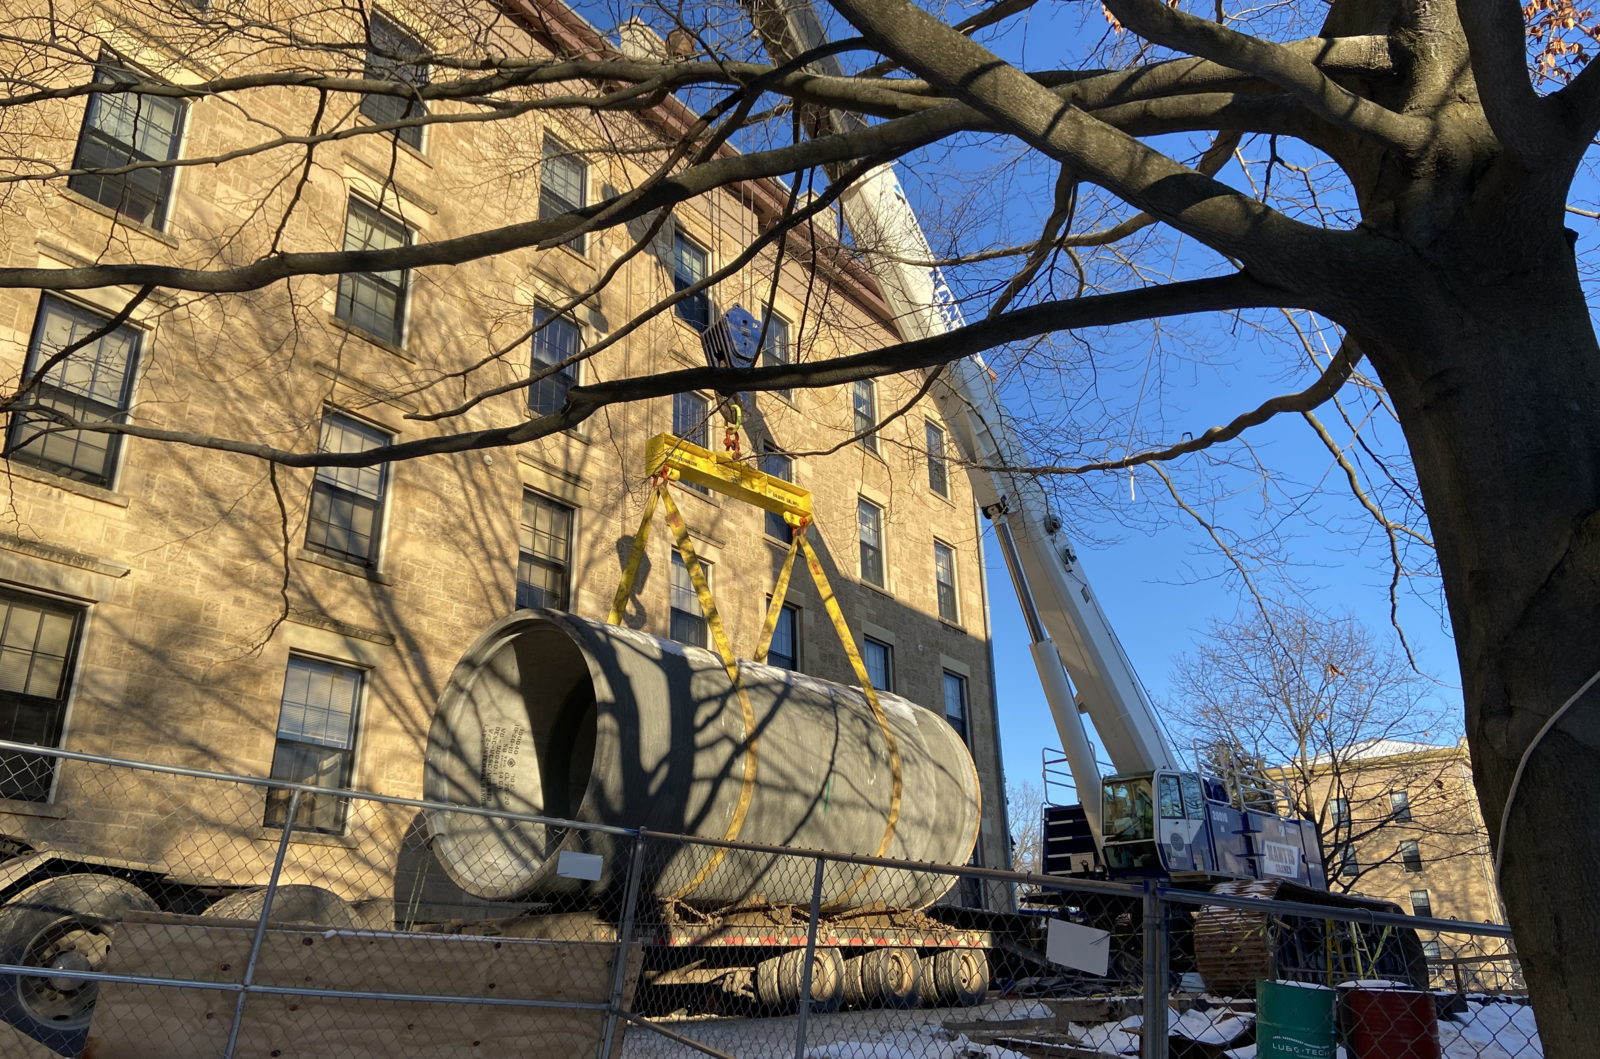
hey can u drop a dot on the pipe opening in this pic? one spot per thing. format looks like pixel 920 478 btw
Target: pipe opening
pixel 556 694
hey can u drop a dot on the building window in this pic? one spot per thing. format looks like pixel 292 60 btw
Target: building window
pixel 864 399
pixel 779 466
pixel 391 56
pixel 1400 807
pixel 944 578
pixel 775 347
pixel 688 621
pixel 1348 866
pixel 938 466
pixel 784 651
pixel 879 660
pixel 563 185
pixel 1430 949
pixel 691 416
pixel 689 266
pixel 544 550
pixel 374 301
pixel 1421 905
pixel 121 129
pixel 1410 855
pixel 955 703
pixel 93 384
pixel 556 342
pixel 1338 811
pixel 347 502
pixel 38 642
pixel 869 517
pixel 316 734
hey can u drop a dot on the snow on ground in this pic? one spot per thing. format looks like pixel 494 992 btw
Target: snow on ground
pixel 874 1034
pixel 1491 1031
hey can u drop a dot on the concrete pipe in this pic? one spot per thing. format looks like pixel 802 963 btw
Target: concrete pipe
pixel 554 715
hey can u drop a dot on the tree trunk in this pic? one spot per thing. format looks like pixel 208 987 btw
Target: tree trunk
pixel 1496 379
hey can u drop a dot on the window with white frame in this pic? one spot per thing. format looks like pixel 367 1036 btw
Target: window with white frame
pixel 563 185
pixel 374 301
pixel 38 644
pixel 784 651
pixel 1421 904
pixel 346 520
pixel 1410 855
pixel 94 383
pixel 938 465
pixel 944 579
pixel 122 129
pixel 864 402
pixel 955 702
pixel 878 657
pixel 775 347
pixel 544 553
pixel 316 743
pixel 687 622
pixel 394 55
pixel 691 415
pixel 690 264
pixel 1400 807
pixel 778 465
pixel 869 523
pixel 556 341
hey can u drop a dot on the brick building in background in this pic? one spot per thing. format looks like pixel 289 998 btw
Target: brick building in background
pixel 142 582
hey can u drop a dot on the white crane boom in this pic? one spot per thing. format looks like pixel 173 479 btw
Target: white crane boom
pixel 1065 621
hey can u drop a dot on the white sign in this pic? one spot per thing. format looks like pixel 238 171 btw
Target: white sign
pixel 1281 860
pixel 1079 947
pixel 572 865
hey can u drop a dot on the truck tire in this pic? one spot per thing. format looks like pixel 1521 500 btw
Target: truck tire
pixel 855 990
pixel 64 923
pixel 779 980
pixel 294 904
pixel 891 977
pixel 960 976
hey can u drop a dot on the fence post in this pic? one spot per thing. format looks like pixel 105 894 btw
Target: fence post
pixel 261 926
pixel 619 974
pixel 1155 974
pixel 811 955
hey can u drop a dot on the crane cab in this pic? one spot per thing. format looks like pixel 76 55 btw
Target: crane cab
pixel 1166 823
pixel 1156 823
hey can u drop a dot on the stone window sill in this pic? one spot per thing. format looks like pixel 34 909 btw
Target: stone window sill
pixel 367 336
pixel 106 211
pixel 70 485
pixel 318 559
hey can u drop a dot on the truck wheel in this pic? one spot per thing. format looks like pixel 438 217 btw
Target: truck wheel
pixel 63 923
pixel 892 977
pixel 961 976
pixel 778 980
pixel 290 904
pixel 855 989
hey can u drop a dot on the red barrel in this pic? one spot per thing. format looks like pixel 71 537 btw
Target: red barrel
pixel 1382 1022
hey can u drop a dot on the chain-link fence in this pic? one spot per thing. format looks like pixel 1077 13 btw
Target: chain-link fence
pixel 154 910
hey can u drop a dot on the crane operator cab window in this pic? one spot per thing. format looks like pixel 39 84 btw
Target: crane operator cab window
pixel 1130 826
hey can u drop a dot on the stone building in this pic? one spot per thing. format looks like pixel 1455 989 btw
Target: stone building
pixel 159 605
pixel 1402 823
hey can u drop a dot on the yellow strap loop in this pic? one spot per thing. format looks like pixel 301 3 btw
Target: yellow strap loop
pixel 708 608
pixel 779 590
pixel 630 572
pixel 831 604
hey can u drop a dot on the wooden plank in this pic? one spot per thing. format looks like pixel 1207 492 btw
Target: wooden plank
pixel 136 1022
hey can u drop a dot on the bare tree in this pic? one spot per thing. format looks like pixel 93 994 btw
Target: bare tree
pixel 1399 202
pixel 1338 720
pixel 1025 805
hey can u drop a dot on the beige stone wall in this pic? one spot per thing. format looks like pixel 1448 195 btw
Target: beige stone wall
pixel 181 564
pixel 1456 871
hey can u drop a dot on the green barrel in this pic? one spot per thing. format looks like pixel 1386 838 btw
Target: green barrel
pixel 1294 1020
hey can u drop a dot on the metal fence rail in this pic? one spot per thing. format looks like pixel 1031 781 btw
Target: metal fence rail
pixel 160 910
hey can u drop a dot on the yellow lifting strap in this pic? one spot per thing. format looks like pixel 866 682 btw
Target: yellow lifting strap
pixel 779 590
